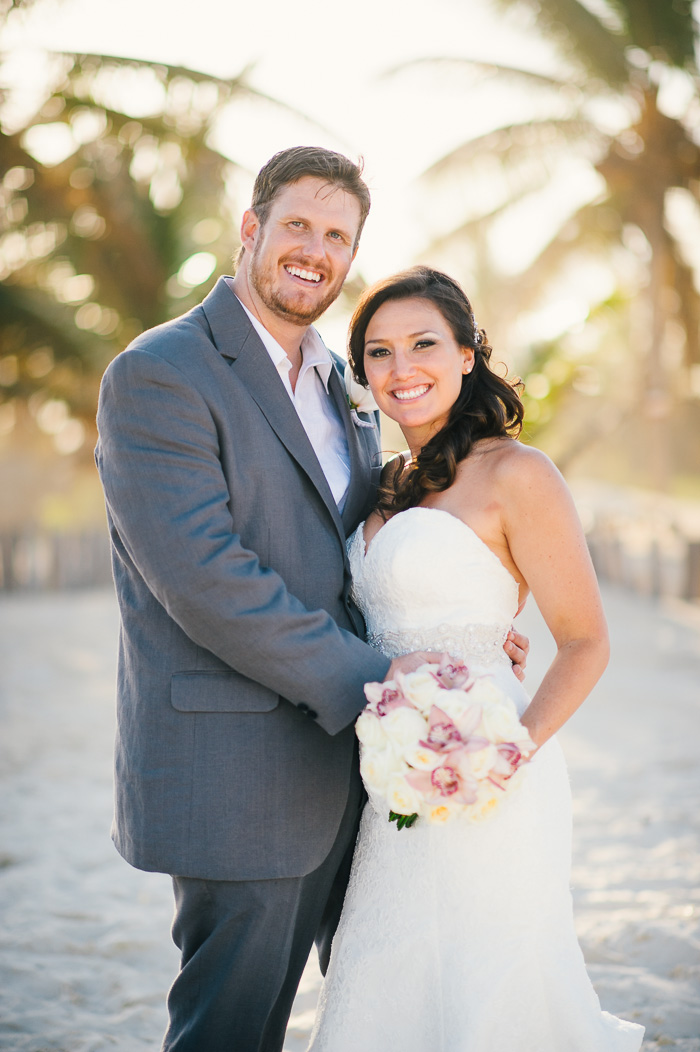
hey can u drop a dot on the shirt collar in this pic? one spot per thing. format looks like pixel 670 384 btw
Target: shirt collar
pixel 314 352
pixel 316 355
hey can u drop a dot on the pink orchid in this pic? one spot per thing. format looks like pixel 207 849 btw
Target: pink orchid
pixel 510 756
pixel 384 697
pixel 474 744
pixel 511 752
pixel 461 761
pixel 443 733
pixel 468 721
pixel 444 781
pixel 452 677
pixel 446 734
pixel 461 758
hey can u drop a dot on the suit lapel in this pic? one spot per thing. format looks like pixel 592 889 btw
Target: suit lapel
pixel 236 339
pixel 360 455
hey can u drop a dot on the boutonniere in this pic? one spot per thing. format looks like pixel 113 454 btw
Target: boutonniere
pixel 359 399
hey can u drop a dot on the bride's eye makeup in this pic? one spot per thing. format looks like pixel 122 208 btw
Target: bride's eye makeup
pixel 376 352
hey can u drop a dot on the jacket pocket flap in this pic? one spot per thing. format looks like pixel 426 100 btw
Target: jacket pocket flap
pixel 213 691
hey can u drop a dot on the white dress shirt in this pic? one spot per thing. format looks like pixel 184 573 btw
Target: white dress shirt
pixel 313 403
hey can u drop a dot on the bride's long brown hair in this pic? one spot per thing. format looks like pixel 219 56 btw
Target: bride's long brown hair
pixel 487 406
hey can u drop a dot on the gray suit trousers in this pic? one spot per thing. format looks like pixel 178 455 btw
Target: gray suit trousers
pixel 244 945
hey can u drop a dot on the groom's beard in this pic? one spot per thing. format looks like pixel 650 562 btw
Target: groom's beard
pixel 289 304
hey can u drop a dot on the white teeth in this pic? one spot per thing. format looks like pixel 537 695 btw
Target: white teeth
pixel 415 392
pixel 308 275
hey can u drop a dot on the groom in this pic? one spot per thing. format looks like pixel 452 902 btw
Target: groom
pixel 233 471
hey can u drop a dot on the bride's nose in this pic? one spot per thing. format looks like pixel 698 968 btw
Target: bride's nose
pixel 402 365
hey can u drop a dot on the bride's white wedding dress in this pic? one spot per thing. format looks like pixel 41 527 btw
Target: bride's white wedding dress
pixel 460 937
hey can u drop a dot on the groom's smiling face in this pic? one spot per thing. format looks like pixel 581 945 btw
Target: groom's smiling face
pixel 299 258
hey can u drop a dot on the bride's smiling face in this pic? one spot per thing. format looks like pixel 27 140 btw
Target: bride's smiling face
pixel 414 366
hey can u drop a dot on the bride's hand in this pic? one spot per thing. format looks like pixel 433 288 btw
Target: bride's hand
pixel 517 647
pixel 410 662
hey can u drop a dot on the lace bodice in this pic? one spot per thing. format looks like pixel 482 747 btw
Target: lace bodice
pixel 428 582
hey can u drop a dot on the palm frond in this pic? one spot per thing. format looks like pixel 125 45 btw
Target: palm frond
pixel 583 38
pixel 516 73
pixel 94 62
pixel 46 321
pixel 94 222
pixel 668 31
pixel 473 228
pixel 515 140
pixel 230 87
pixel 593 228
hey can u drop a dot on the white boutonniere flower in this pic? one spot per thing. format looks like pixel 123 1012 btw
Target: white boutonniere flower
pixel 360 399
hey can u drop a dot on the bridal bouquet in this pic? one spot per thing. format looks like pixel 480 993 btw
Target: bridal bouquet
pixel 439 743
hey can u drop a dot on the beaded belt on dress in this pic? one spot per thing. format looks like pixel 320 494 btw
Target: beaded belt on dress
pixel 482 644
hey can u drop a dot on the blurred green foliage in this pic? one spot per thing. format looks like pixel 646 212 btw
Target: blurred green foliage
pixel 626 103
pixel 110 223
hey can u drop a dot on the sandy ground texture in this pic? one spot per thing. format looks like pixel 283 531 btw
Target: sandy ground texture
pixel 85 955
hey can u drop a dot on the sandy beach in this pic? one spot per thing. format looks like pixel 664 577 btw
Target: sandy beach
pixel 85 957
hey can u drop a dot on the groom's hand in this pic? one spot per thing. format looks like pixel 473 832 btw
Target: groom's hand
pixel 410 662
pixel 517 647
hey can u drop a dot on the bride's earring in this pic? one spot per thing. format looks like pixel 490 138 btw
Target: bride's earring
pixel 467 362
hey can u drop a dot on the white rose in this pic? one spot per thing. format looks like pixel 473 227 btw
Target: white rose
pixel 454 703
pixel 359 397
pixel 369 730
pixel 485 692
pixel 421 688
pixel 402 798
pixel 422 759
pixel 443 812
pixel 501 724
pixel 404 726
pixel 478 764
pixel 486 803
pixel 377 767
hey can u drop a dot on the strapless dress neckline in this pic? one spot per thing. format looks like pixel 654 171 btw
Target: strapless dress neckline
pixel 427 581
pixel 366 547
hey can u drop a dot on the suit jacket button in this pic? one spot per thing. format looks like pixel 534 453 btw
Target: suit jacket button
pixel 303 707
pixel 311 714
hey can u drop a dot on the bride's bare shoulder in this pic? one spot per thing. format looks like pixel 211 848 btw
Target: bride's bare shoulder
pixel 515 460
pixel 530 486
pixel 512 471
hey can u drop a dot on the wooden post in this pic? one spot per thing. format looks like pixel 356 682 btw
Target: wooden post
pixel 692 571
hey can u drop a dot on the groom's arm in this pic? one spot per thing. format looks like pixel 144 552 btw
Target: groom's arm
pixel 168 498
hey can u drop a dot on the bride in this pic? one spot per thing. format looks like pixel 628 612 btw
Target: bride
pixel 460 937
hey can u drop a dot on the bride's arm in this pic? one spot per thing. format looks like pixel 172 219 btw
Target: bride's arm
pixel 548 547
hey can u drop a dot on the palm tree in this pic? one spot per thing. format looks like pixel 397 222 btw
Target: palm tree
pixel 9 6
pixel 122 233
pixel 630 53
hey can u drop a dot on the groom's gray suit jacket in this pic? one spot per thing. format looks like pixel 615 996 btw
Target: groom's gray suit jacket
pixel 240 666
